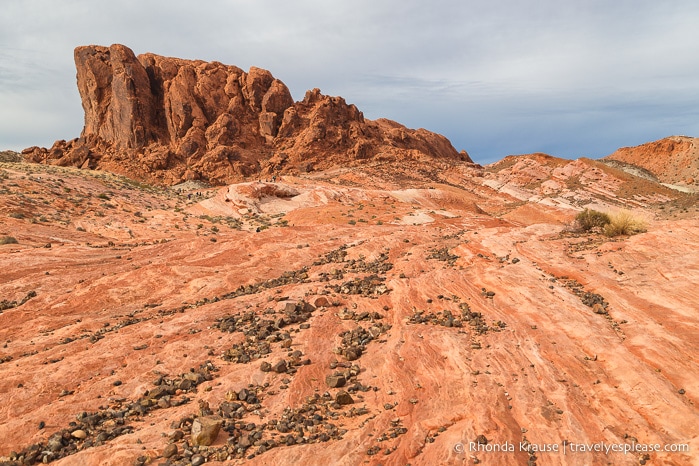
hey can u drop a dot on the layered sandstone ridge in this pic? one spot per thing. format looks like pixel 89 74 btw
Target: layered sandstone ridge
pixel 166 120
pixel 673 160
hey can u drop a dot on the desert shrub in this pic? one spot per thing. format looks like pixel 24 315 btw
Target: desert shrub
pixel 624 223
pixel 589 220
pixel 8 240
pixel 10 156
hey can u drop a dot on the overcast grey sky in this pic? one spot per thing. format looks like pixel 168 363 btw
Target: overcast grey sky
pixel 497 77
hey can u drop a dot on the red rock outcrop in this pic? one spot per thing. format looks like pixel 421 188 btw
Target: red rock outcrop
pixel 573 184
pixel 673 160
pixel 166 120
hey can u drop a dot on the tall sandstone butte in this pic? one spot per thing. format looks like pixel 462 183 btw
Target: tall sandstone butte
pixel 165 120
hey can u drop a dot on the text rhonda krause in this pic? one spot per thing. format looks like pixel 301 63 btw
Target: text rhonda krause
pixel 571 447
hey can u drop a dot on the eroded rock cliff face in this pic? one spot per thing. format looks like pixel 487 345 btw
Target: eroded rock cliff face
pixel 167 120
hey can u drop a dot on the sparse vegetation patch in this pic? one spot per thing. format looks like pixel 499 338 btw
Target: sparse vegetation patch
pixel 624 223
pixel 8 240
pixel 591 220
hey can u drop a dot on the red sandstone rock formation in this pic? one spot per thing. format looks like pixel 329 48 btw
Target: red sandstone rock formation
pixel 673 160
pixel 379 314
pixel 166 120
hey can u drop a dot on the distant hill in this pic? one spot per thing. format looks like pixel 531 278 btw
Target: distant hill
pixel 673 160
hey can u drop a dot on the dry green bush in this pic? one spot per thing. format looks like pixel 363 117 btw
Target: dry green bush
pixel 8 240
pixel 589 220
pixel 624 223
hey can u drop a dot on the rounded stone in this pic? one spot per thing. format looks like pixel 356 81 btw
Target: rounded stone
pixel 343 398
pixel 170 450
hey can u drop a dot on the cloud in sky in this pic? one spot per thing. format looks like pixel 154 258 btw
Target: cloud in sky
pixel 496 77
